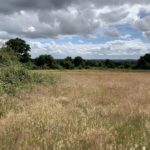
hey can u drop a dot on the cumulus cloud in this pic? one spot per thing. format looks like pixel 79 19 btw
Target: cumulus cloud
pixel 52 18
pixel 2 42
pixel 10 6
pixel 44 19
pixel 144 26
pixel 111 32
pixel 113 49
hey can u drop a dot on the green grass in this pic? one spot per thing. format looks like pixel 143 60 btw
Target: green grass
pixel 133 133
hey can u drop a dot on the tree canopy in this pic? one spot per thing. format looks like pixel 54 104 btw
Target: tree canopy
pixel 21 48
pixel 17 49
pixel 45 61
pixel 144 62
pixel 68 63
pixel 78 61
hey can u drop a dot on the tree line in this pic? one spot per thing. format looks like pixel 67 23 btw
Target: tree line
pixel 21 49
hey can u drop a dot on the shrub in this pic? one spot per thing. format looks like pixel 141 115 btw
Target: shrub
pixel 7 57
pixel 13 78
pixel 68 65
pixel 30 65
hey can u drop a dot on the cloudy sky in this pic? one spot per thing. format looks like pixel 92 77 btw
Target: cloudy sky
pixel 114 29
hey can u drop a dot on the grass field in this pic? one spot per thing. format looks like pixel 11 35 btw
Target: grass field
pixel 82 110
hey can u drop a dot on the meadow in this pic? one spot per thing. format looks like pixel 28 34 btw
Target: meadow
pixel 79 110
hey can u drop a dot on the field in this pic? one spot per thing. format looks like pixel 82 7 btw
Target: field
pixel 82 110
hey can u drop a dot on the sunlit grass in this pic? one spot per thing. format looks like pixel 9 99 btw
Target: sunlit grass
pixel 80 110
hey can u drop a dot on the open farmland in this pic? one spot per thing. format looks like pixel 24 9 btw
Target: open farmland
pixel 82 110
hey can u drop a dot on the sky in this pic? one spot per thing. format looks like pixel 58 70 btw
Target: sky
pixel 92 29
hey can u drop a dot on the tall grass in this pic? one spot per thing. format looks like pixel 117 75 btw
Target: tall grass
pixel 15 80
pixel 87 110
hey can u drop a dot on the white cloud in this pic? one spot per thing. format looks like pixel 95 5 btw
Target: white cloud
pixel 76 18
pixel 30 29
pixel 111 32
pixel 144 26
pixel 45 19
pixel 126 36
pixel 2 42
pixel 117 48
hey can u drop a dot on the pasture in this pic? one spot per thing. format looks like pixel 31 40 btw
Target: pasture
pixel 81 110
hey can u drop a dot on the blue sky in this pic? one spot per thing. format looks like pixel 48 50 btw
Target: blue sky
pixel 98 29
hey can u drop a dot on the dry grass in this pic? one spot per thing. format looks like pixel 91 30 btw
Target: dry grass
pixel 84 110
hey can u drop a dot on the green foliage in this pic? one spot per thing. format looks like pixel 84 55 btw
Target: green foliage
pixel 92 63
pixel 20 47
pixel 69 59
pixel 56 65
pixel 78 61
pixel 109 64
pixel 13 78
pixel 7 57
pixel 68 63
pixel 38 78
pixel 29 65
pixel 144 62
pixel 17 49
pixel 45 61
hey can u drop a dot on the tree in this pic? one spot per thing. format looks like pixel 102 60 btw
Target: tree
pixel 92 63
pixel 78 61
pixel 20 47
pixel 68 63
pixel 109 64
pixel 144 62
pixel 45 61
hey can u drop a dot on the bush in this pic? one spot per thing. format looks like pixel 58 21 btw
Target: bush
pixel 30 65
pixel 68 65
pixel 7 57
pixel 13 78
